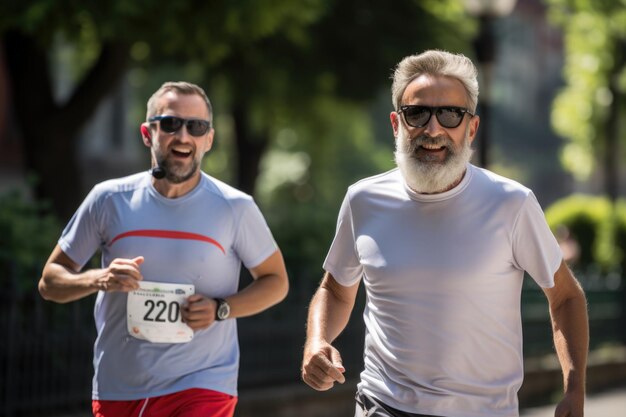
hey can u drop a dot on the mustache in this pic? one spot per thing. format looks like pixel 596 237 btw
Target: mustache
pixel 416 142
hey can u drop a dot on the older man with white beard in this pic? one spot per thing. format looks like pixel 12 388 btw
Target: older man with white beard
pixel 441 247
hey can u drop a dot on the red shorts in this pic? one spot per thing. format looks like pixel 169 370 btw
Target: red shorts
pixel 193 402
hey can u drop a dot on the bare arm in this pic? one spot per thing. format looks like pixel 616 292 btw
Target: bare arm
pixel 62 281
pixel 329 313
pixel 570 327
pixel 269 286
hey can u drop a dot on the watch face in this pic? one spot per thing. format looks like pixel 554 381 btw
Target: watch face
pixel 223 310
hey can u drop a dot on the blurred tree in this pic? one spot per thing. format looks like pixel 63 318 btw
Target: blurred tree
pixel 587 111
pixel 271 56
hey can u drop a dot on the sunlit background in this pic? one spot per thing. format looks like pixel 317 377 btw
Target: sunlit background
pixel 301 97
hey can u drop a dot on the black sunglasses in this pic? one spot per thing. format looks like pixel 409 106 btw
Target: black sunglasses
pixel 447 116
pixel 172 124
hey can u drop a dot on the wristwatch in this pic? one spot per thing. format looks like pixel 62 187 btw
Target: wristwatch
pixel 222 312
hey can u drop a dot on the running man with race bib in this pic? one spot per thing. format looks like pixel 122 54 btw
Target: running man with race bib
pixel 172 241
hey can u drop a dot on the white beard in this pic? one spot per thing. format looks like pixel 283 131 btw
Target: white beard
pixel 430 177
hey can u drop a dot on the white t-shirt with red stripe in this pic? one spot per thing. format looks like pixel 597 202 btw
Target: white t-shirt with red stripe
pixel 201 238
pixel 443 276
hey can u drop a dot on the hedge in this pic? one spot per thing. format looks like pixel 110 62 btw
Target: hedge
pixel 598 226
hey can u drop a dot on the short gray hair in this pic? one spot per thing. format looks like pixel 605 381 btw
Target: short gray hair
pixel 181 87
pixel 438 63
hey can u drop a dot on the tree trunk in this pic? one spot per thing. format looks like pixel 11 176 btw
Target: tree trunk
pixel 250 150
pixel 49 130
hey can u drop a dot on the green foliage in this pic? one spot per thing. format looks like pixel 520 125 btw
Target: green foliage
pixel 27 237
pixel 204 29
pixel 157 32
pixel 598 226
pixel 304 178
pixel 595 32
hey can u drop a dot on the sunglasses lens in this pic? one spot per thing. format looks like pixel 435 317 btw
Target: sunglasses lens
pixel 197 127
pixel 450 116
pixel 416 116
pixel 171 124
pixel 419 116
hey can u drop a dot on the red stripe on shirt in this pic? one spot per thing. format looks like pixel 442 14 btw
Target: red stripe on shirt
pixel 168 234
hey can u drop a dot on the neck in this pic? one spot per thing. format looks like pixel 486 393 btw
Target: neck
pixel 170 190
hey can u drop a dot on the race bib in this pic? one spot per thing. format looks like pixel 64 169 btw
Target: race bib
pixel 154 312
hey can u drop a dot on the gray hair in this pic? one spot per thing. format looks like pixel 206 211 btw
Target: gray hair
pixel 180 87
pixel 438 63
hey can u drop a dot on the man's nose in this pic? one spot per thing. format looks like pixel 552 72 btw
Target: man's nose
pixel 433 128
pixel 184 135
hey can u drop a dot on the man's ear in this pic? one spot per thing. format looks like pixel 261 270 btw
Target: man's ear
pixel 394 117
pixel 473 127
pixel 146 136
pixel 209 143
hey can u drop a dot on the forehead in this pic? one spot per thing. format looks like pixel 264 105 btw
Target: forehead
pixel 182 105
pixel 435 90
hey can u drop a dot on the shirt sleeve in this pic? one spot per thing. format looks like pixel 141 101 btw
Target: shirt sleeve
pixel 254 242
pixel 535 248
pixel 81 237
pixel 342 261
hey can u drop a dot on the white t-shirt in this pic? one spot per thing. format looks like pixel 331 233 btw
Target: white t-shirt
pixel 443 276
pixel 200 238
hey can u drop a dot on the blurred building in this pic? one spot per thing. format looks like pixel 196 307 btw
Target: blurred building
pixel 527 75
pixel 526 78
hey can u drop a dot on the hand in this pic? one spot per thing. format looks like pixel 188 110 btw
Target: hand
pixel 322 366
pixel 121 275
pixel 572 405
pixel 199 312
